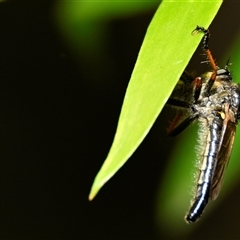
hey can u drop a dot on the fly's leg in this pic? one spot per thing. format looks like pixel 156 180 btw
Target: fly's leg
pixel 174 131
pixel 178 103
pixel 209 57
pixel 197 85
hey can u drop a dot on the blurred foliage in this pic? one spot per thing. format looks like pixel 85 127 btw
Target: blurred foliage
pixel 83 23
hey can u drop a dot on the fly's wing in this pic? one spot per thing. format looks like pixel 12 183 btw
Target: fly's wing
pixel 181 99
pixel 184 89
pixel 223 158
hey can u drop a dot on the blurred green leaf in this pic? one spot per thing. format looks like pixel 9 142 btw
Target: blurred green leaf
pixel 165 52
pixel 83 23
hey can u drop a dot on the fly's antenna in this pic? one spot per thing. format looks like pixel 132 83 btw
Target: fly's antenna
pixel 228 63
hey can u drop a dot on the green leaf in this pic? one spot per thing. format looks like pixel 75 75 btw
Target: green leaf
pixel 165 52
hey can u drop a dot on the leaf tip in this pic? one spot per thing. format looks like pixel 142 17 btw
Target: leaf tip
pixel 94 190
pixel 92 194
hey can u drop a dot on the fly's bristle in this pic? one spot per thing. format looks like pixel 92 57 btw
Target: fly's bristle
pixel 206 61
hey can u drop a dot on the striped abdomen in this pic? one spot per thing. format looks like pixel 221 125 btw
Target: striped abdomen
pixel 207 168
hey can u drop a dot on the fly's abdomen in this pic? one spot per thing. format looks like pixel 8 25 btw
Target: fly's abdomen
pixel 207 169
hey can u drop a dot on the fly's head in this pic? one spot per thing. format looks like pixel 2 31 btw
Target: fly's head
pixel 224 75
pixel 232 92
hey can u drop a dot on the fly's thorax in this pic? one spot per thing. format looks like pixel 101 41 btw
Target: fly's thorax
pixel 210 107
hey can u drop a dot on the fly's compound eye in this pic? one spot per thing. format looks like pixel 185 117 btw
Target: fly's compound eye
pixel 224 74
pixel 236 101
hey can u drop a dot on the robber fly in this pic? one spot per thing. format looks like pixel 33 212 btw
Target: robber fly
pixel 214 100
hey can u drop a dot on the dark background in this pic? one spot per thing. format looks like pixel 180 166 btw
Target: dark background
pixel 57 124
